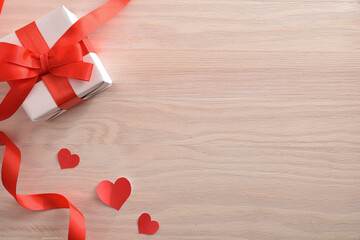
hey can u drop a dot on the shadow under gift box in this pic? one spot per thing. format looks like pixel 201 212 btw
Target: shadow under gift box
pixel 39 104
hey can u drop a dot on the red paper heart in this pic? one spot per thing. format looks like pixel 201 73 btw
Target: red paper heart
pixel 146 226
pixel 67 160
pixel 114 195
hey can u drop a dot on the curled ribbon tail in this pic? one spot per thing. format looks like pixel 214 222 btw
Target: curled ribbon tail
pixel 9 176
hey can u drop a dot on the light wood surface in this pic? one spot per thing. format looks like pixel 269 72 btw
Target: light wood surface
pixel 232 119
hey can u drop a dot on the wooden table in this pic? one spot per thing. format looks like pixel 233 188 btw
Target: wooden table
pixel 232 120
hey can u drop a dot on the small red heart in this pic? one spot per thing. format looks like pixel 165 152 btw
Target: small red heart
pixel 67 160
pixel 146 226
pixel 114 195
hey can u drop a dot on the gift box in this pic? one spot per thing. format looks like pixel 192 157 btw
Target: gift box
pixel 39 103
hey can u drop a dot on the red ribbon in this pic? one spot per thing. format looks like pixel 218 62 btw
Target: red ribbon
pixel 9 175
pixel 19 63
pixel 1 5
pixel 58 86
pixel 23 67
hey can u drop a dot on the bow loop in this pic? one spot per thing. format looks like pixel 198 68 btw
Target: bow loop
pixel 11 53
pixel 19 63
pixel 65 55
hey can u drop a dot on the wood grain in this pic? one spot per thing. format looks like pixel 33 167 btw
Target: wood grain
pixel 235 119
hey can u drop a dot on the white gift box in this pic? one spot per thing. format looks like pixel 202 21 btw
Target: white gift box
pixel 39 104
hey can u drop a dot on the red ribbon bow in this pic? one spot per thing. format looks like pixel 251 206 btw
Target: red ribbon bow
pixel 19 63
pixel 23 67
